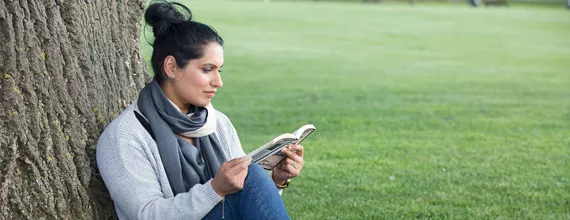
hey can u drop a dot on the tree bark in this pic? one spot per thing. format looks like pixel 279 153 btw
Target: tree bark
pixel 67 68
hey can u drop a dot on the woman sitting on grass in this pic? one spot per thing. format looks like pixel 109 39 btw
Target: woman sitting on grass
pixel 171 155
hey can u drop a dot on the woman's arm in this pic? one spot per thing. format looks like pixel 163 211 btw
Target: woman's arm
pixel 130 176
pixel 232 138
pixel 229 137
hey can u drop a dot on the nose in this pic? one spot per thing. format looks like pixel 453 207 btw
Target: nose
pixel 217 81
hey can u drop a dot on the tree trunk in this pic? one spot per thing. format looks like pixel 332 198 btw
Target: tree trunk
pixel 67 68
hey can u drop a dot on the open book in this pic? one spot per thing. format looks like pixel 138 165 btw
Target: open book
pixel 269 154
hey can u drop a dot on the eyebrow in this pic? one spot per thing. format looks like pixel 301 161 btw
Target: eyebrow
pixel 211 64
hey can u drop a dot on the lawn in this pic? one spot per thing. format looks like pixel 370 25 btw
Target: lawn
pixel 430 111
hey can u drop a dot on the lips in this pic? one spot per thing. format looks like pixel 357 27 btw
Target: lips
pixel 210 94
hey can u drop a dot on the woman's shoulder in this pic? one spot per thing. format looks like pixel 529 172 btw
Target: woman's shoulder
pixel 124 128
pixel 224 123
pixel 221 117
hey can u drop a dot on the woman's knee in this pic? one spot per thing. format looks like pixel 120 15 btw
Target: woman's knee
pixel 257 175
pixel 256 170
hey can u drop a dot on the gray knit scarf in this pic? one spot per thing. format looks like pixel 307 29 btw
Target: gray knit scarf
pixel 185 165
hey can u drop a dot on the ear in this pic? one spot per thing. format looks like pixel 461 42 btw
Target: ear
pixel 169 66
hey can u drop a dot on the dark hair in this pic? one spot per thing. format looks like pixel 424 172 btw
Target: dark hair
pixel 177 35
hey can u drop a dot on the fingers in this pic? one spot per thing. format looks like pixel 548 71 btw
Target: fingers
pixel 241 166
pixel 291 171
pixel 294 156
pixel 235 162
pixel 292 165
pixel 232 163
pixel 293 168
pixel 297 149
pixel 231 176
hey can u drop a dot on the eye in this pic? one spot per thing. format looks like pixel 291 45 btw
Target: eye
pixel 207 70
pixel 219 70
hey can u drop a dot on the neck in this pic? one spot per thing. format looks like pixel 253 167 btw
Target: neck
pixel 169 93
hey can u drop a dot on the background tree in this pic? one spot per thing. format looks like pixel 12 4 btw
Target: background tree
pixel 67 68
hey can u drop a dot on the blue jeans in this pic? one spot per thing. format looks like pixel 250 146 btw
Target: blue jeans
pixel 259 199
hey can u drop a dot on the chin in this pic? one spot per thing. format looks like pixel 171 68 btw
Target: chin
pixel 203 103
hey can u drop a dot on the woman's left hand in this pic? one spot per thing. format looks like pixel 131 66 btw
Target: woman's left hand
pixel 291 166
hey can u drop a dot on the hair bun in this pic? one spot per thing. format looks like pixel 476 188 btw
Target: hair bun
pixel 162 14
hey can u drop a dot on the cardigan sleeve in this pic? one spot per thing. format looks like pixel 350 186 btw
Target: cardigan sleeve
pixel 131 177
pixel 230 136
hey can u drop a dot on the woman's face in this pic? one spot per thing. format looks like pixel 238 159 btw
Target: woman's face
pixel 198 81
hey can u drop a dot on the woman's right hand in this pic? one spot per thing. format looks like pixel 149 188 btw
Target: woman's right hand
pixel 231 176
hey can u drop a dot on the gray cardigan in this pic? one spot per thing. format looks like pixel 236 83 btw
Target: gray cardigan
pixel 132 170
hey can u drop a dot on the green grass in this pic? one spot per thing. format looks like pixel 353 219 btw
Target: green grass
pixel 430 111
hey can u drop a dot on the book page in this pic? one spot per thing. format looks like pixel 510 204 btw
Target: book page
pixel 269 154
pixel 271 144
pixel 270 157
pixel 270 162
pixel 304 132
pixel 270 149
